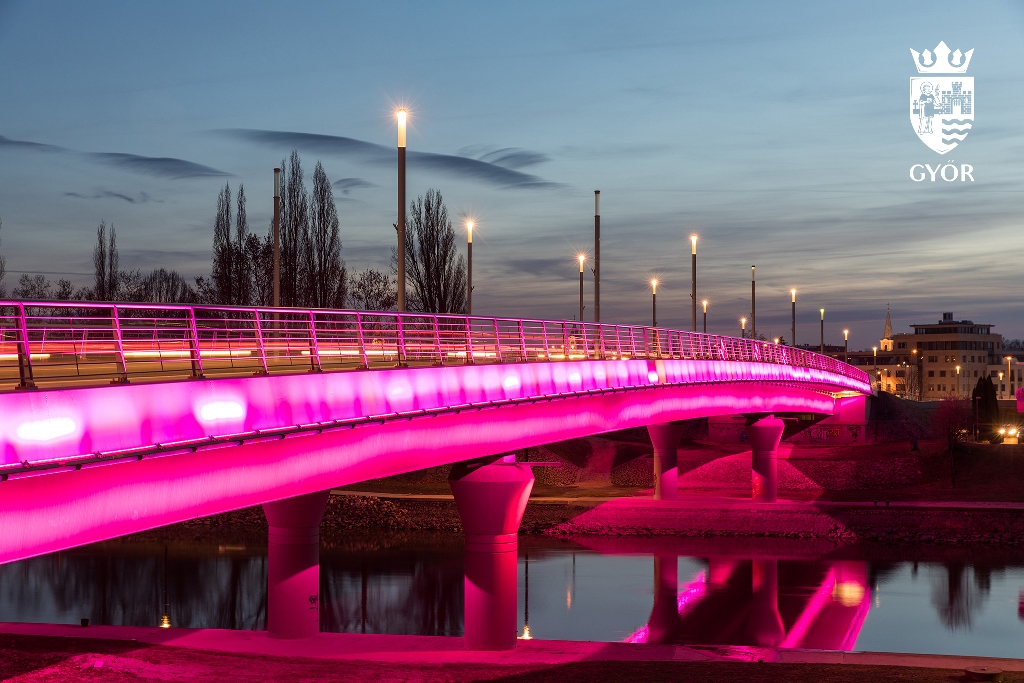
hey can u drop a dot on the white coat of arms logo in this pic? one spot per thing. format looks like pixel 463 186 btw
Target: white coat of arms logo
pixel 942 99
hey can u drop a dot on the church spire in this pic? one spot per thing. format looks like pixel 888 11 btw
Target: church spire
pixel 888 324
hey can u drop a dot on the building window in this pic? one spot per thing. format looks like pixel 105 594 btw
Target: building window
pixel 975 373
pixel 942 373
pixel 901 345
pixel 933 359
pixel 931 373
pixel 931 387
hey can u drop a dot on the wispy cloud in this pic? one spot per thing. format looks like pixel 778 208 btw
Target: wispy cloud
pixel 507 157
pixel 142 198
pixel 456 166
pixel 161 167
pixel 346 185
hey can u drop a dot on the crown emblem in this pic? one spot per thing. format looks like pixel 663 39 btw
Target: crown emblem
pixel 941 61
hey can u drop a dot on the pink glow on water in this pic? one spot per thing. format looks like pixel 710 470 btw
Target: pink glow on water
pixel 689 596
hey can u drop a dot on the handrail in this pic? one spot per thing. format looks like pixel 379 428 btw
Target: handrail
pixel 51 344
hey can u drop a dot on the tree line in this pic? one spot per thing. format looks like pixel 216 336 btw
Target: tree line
pixel 313 273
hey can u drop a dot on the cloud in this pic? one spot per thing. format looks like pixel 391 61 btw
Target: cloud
pixel 507 157
pixel 161 167
pixel 452 165
pixel 143 198
pixel 346 185
pixel 33 146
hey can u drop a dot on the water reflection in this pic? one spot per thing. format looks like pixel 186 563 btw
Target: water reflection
pixel 654 590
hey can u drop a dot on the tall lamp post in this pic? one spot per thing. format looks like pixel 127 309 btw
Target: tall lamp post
pixel 654 302
pixel 753 307
pixel 874 351
pixel 958 381
pixel 917 373
pixel 401 114
pixel 792 331
pixel 846 346
pixel 693 282
pixel 277 237
pixel 597 256
pixel 821 345
pixel 743 328
pixel 705 304
pixel 1009 378
pixel 582 258
pixel 469 267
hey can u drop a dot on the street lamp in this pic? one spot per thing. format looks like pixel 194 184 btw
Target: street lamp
pixel 1009 378
pixel 582 258
pixel 821 349
pixel 793 321
pixel 654 302
pixel 469 267
pixel 846 346
pixel 753 308
pixel 874 351
pixel 693 282
pixel 743 328
pixel 401 114
pixel 597 256
pixel 776 340
pixel 705 304
pixel 277 237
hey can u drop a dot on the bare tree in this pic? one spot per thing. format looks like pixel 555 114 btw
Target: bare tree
pixel 259 254
pixel 294 231
pixel 242 272
pixel 3 267
pixel 223 250
pixel 372 290
pixel 433 264
pixel 106 263
pixel 326 279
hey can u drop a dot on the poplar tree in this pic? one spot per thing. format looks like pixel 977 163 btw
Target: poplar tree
pixel 433 264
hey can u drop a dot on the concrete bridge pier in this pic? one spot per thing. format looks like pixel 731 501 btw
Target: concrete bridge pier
pixel 765 435
pixel 293 565
pixel 491 499
pixel 665 438
pixel 664 619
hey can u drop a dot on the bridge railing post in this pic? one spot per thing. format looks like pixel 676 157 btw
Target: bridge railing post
pixel 437 340
pixel 403 355
pixel 497 340
pixel 119 343
pixel 314 347
pixel 27 381
pixel 258 326
pixel 522 341
pixel 469 340
pixel 193 345
pixel 544 331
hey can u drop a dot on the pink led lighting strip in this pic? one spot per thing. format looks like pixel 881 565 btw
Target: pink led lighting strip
pixel 46 344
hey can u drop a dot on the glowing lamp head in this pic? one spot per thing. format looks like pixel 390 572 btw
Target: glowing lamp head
pixel 654 285
pixel 693 244
pixel 1002 431
pixel 401 115
pixel 469 231
pixel 793 293
pixel 776 340
pixel 705 305
pixel 582 258
pixel 743 323
pixel 822 313
pixel 846 336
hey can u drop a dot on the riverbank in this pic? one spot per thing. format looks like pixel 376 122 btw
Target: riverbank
pixel 31 652
pixel 350 514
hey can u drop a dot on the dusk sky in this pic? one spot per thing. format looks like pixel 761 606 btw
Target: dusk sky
pixel 778 132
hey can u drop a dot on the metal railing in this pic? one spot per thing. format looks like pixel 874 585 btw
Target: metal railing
pixel 51 344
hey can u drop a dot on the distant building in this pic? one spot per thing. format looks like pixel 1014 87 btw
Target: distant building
pixel 924 364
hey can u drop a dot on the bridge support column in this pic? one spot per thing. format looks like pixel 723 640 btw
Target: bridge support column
pixel 765 435
pixel 491 499
pixel 293 565
pixel 665 438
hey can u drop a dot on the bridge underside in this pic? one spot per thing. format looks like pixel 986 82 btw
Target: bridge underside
pixel 66 508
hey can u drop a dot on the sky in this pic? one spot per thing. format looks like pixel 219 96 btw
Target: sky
pixel 779 133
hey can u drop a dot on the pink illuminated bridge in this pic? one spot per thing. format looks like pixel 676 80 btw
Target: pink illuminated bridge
pixel 115 418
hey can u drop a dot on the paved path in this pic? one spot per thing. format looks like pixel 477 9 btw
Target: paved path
pixel 702 502
pixel 441 649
